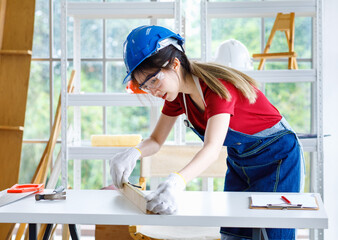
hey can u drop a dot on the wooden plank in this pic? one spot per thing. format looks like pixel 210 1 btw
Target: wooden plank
pixel 274 55
pixel 9 141
pixel 65 232
pixel 2 19
pixel 10 149
pixel 14 78
pixel 19 25
pixel 172 158
pixel 136 196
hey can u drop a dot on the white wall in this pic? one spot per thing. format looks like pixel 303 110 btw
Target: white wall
pixel 330 108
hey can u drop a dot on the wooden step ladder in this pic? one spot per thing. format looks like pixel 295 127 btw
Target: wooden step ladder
pixel 16 41
pixel 284 23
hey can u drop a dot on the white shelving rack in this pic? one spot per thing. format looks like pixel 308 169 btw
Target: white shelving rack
pixel 78 150
pixel 261 9
pixel 153 10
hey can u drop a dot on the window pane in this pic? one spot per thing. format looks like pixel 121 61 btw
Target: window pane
pixel 304 65
pixel 280 65
pixel 271 65
pixel 117 32
pixel 91 174
pixel 192 29
pixel 37 111
pixel 56 28
pixel 191 137
pixel 91 121
pixel 293 100
pixel 168 23
pixel 91 38
pixel 91 76
pixel 30 157
pixel 245 30
pixel 116 72
pixel 41 30
pixel 128 120
pixel 195 185
pixel 303 37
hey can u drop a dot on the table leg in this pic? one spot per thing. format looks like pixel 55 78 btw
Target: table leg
pixel 73 232
pixel 257 234
pixel 47 231
pixel 265 235
pixel 32 231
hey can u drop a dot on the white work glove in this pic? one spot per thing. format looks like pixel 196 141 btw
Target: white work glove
pixel 163 200
pixel 122 165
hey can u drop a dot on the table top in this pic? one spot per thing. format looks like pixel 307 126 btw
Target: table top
pixel 110 207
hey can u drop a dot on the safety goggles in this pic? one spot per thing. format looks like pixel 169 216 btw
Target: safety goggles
pixel 152 82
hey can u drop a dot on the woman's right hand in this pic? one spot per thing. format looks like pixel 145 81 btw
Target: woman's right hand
pixel 122 165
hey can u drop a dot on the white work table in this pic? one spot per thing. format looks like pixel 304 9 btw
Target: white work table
pixel 229 209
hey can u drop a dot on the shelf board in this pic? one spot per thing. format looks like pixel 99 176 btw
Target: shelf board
pixel 282 76
pixel 113 99
pixel 125 99
pixel 123 10
pixel 88 152
pixel 309 144
pixel 260 9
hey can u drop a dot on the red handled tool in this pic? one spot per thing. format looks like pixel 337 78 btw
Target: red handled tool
pixel 19 191
pixel 21 188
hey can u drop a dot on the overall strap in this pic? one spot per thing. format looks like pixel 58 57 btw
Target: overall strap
pixel 198 85
pixel 185 106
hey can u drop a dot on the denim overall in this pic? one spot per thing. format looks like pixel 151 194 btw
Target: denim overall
pixel 268 161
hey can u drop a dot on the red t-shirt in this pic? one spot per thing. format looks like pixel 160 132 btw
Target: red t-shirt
pixel 245 117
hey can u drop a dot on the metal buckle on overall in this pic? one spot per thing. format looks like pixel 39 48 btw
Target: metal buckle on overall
pixel 186 123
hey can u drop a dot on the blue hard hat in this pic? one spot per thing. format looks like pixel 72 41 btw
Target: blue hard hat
pixel 144 41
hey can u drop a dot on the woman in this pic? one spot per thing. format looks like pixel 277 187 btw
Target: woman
pixel 223 107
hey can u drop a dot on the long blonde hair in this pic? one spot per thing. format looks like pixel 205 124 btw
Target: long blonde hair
pixel 210 73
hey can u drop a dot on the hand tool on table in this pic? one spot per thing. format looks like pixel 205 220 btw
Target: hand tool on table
pixel 57 194
pixel 19 191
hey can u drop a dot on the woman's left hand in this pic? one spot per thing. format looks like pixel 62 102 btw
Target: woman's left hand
pixel 163 200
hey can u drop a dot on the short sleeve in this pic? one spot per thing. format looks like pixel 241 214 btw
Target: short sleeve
pixel 217 105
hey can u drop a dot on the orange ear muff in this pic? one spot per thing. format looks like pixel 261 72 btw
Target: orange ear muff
pixel 133 88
